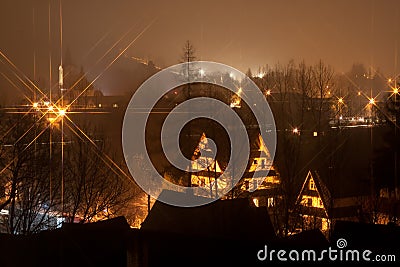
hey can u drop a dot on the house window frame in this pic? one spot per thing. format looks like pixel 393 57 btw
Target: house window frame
pixel 309 202
pixel 311 185
pixel 270 202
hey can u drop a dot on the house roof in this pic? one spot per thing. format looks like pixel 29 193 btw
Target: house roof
pixel 256 142
pixel 261 173
pixel 322 190
pixel 348 209
pixel 230 219
pixel 272 192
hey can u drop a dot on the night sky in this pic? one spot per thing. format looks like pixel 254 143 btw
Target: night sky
pixel 242 34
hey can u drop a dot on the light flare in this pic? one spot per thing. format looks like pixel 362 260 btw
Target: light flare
pixel 371 101
pixel 113 61
pixel 53 111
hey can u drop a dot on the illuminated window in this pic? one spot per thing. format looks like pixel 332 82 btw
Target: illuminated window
pixel 4 212
pixel 325 224
pixel 270 201
pixel 255 201
pixel 246 185
pixel 312 185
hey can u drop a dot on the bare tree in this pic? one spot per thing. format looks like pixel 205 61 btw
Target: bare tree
pixel 288 143
pixel 295 89
pixel 188 52
pixel 187 57
pixel 322 79
pixel 303 83
pixel 28 196
pixel 94 188
pixel 38 191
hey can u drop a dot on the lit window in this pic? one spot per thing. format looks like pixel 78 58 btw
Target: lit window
pixel 312 185
pixel 325 224
pixel 4 212
pixel 270 201
pixel 246 185
pixel 255 201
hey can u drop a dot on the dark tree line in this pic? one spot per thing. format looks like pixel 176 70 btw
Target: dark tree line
pixel 386 161
pixel 44 181
pixel 305 99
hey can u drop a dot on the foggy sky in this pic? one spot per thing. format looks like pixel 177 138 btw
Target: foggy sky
pixel 242 34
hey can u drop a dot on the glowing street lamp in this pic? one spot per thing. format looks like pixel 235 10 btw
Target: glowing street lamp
pixel 372 101
pixel 261 75
pixel 340 100
pixel 35 105
pixel 62 112
pixel 295 131
pixel 52 120
pixel 268 92
pixel 50 108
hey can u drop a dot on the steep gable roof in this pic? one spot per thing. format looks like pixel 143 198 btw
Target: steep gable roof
pixel 321 190
pixel 203 156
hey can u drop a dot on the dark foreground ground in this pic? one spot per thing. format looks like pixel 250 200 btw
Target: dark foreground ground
pixel 113 243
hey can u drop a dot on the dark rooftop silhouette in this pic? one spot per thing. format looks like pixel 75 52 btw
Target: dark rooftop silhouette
pixel 228 219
